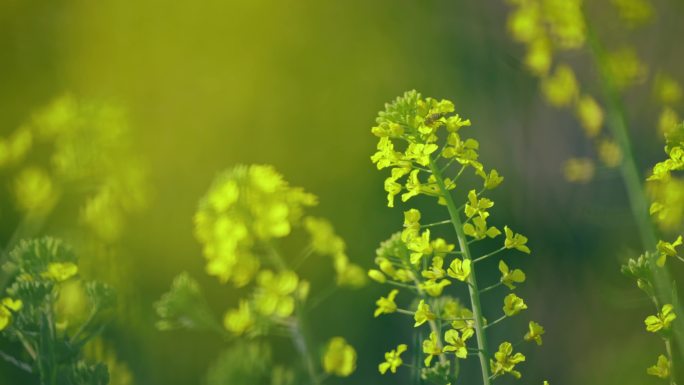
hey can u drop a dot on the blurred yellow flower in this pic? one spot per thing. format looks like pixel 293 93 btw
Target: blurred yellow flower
pixel 610 153
pixel 625 67
pixel 666 89
pixel 339 358
pixel 578 170
pixel 386 305
pixel 275 293
pixel 239 321
pixel 60 271
pixel 34 190
pixel 244 206
pixel 590 115
pixel 8 306
pixel 560 88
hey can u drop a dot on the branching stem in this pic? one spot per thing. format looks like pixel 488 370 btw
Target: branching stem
pixel 472 280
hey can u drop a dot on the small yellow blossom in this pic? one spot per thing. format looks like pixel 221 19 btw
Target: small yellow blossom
pixel 392 360
pixel 666 89
pixel 8 306
pixel 662 320
pixel 386 305
pixel 434 287
pixel 240 320
pixel 560 89
pixel 323 238
pixel 609 152
pixel 275 293
pixel 456 342
pixel 431 347
pixel 661 369
pixel 459 269
pixel 590 115
pixel 515 241
pixel 348 274
pixel 667 249
pixel 513 305
pixel 625 67
pixel 504 361
pixel 60 271
pixel 339 358
pixel 510 277
pixel 668 120
pixel 436 270
pixel 423 314
pixel 578 170
pixel 535 333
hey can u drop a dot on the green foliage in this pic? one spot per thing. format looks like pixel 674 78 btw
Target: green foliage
pixel 184 306
pixel 248 363
pixel 44 313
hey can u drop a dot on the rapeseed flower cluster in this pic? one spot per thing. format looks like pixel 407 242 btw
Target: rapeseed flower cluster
pixel 88 145
pixel 239 223
pixel 421 141
pixel 551 28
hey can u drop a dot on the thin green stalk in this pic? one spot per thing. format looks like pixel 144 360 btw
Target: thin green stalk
pixel 633 180
pixel 472 280
pixel 488 288
pixel 19 364
pixel 482 258
pixel 668 349
pixel 496 321
pixel 300 340
pixel 298 330
pixel 436 223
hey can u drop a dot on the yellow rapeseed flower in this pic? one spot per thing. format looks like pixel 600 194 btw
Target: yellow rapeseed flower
pixel 339 358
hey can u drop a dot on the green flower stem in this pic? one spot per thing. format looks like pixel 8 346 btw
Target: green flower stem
pixel 85 324
pixel 298 330
pixel 488 288
pixel 482 258
pixel 444 222
pixel 308 251
pixel 407 312
pixel 399 284
pixel 300 340
pixel 19 364
pixel 503 317
pixel 668 350
pixel 617 123
pixel 322 296
pixel 472 280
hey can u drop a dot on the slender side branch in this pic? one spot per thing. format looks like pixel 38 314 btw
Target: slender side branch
pixel 503 317
pixel 488 288
pixel 495 252
pixel 19 364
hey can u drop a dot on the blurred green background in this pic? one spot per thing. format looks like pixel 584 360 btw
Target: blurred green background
pixel 211 84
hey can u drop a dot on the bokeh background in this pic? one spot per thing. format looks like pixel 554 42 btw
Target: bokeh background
pixel 207 85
